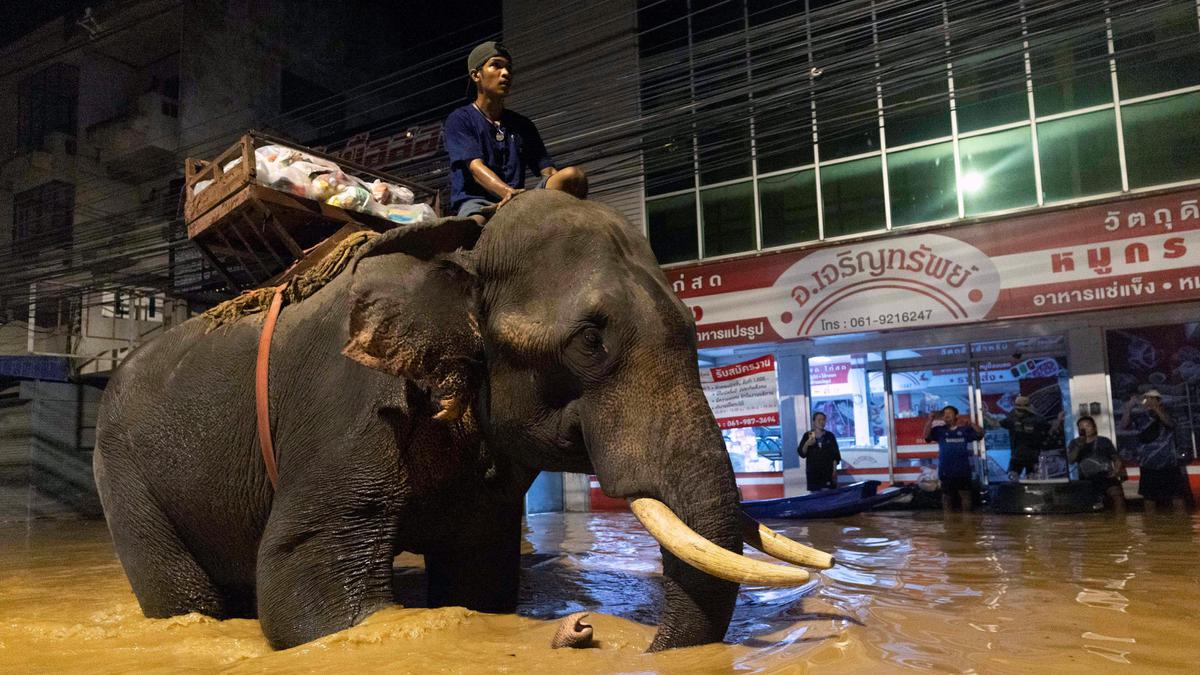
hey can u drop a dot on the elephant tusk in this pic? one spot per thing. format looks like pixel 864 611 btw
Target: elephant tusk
pixel 778 546
pixel 695 550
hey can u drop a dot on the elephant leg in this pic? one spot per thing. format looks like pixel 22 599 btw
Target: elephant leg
pixel 482 570
pixel 324 564
pixel 164 575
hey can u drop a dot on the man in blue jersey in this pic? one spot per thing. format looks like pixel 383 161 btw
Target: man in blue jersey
pixel 491 148
pixel 954 437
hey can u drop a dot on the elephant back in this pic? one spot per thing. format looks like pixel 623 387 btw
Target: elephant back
pixel 296 287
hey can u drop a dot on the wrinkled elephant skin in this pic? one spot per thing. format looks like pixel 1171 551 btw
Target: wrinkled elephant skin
pixel 555 343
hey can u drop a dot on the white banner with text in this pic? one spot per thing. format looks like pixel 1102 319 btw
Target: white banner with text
pixel 743 394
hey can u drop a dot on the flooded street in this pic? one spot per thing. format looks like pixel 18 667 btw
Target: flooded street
pixel 978 592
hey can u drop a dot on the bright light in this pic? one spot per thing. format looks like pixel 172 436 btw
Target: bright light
pixel 972 181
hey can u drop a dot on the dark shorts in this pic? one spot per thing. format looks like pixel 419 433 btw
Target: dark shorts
pixel 1103 483
pixel 1162 484
pixel 952 484
pixel 475 204
pixel 1028 464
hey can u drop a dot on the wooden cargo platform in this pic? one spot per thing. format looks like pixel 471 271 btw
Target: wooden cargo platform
pixel 252 233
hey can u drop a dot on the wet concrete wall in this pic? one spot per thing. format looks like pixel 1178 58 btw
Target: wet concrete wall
pixel 47 434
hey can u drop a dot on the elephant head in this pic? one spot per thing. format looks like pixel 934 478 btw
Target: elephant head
pixel 558 334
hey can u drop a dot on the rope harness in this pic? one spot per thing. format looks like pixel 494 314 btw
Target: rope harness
pixel 328 260
pixel 262 404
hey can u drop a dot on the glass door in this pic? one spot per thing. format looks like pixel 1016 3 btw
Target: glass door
pixel 1042 382
pixel 916 393
pixel 848 389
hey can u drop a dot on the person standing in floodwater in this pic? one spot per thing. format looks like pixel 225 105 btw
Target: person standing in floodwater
pixel 1027 432
pixel 820 449
pixel 954 437
pixel 1162 484
pixel 1097 460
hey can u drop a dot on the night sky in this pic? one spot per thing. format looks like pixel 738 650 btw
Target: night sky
pixel 385 38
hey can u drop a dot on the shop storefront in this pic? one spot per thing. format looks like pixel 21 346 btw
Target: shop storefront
pixel 1077 309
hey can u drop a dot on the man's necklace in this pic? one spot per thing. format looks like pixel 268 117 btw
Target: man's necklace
pixel 495 123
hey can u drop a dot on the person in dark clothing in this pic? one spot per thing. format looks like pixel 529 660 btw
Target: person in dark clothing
pixel 954 440
pixel 1162 484
pixel 1027 432
pixel 820 448
pixel 491 148
pixel 1097 460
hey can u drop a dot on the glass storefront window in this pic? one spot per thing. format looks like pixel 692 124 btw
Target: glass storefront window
pixel 1157 49
pixel 1165 358
pixel 920 113
pixel 754 448
pixel 728 214
pixel 981 379
pixel 848 389
pixel 915 395
pixel 668 162
pixel 1044 381
pixel 789 208
pixel 1161 138
pixel 1069 69
pixel 989 84
pixel 663 27
pixel 997 171
pixel 724 144
pixel 921 184
pixel 725 151
pixel 783 135
pixel 723 132
pixel 1079 156
pixel 915 108
pixel 672 226
pixel 847 107
pixel 852 196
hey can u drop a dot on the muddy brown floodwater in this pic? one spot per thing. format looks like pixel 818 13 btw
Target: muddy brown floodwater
pixel 973 593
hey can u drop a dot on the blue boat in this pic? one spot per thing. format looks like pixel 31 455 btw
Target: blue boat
pixel 843 501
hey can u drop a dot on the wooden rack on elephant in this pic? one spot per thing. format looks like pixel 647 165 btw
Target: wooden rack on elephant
pixel 254 234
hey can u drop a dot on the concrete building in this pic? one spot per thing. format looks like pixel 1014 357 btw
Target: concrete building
pixel 822 180
pixel 104 106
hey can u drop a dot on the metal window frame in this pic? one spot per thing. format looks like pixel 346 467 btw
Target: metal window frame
pixel 955 138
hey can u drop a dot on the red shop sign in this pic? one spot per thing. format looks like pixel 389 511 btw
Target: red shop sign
pixel 1139 251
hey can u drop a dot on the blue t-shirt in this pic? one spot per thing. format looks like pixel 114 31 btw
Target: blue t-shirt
pixel 954 450
pixel 469 135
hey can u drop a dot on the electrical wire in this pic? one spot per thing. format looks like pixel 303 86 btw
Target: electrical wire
pixel 902 61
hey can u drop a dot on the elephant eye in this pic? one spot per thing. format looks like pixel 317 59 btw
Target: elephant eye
pixel 592 339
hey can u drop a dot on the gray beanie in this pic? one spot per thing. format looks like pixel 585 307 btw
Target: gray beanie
pixel 485 51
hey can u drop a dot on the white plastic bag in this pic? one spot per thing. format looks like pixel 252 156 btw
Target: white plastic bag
pixel 387 193
pixel 404 214
pixel 353 197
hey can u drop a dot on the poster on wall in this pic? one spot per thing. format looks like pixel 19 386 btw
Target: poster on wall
pixel 743 394
pixel 1139 251
pixel 1163 358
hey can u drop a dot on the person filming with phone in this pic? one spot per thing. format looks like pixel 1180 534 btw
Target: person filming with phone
pixel 820 449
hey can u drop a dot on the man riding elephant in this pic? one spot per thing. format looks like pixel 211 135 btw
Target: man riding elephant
pixel 491 147
pixel 412 400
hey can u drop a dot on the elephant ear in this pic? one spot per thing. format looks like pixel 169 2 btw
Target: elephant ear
pixel 413 310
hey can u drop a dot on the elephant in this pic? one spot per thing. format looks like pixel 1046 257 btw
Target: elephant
pixel 413 399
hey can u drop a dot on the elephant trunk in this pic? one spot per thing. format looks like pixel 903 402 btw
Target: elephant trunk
pixel 698 605
pixel 675 471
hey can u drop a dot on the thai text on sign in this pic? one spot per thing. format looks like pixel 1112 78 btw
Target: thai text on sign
pixel 743 394
pixel 1137 251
